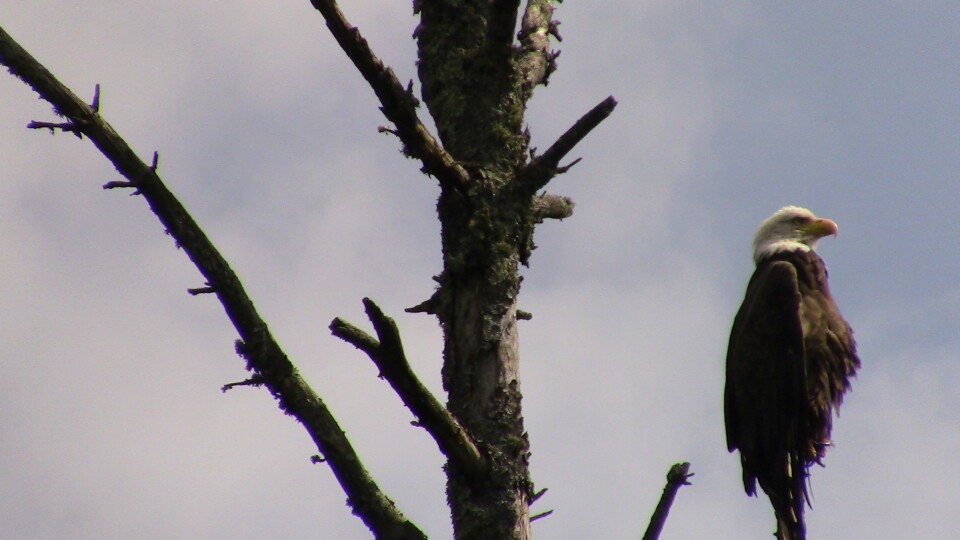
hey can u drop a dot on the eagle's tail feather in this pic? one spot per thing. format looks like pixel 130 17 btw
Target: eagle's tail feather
pixel 789 498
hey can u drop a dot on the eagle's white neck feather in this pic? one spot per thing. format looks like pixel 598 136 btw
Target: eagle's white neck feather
pixel 763 248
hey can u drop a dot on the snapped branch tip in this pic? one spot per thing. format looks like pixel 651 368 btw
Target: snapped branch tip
pixel 677 477
pixel 336 324
pixel 256 380
pixel 201 290
pixel 95 104
pixel 680 474
pixel 117 184
pixel 388 131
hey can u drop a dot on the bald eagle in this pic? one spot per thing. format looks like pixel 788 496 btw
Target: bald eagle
pixel 790 359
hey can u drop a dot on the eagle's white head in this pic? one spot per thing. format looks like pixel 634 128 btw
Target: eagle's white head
pixel 790 228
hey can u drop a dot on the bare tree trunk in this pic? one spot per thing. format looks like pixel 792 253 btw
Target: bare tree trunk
pixel 471 87
pixel 476 81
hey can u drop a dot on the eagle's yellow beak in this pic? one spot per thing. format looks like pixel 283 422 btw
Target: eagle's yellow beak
pixel 820 227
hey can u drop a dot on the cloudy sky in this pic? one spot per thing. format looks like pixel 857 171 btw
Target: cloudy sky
pixel 113 424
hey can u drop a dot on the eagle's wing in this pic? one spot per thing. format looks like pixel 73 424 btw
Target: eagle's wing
pixel 765 385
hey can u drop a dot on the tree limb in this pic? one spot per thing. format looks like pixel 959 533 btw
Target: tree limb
pixel 398 104
pixel 264 356
pixel 544 167
pixel 390 359
pixel 549 206
pixel 537 61
pixel 676 478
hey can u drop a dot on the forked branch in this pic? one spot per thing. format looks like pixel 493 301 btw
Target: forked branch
pixel 264 356
pixel 390 359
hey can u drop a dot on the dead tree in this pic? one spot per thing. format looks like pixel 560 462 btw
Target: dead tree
pixel 477 74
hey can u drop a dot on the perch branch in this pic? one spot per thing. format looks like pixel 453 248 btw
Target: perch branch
pixel 544 167
pixel 677 477
pixel 397 103
pixel 390 359
pixel 264 356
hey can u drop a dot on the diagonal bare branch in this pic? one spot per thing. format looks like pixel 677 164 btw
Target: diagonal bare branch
pixel 263 354
pixel 544 167
pixel 397 103
pixel 677 477
pixel 390 359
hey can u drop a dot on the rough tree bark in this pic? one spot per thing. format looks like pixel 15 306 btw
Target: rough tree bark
pixel 477 75
pixel 476 83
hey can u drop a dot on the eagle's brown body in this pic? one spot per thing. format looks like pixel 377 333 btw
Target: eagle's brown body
pixel 790 359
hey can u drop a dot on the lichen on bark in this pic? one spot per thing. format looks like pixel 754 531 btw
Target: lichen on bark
pixel 475 92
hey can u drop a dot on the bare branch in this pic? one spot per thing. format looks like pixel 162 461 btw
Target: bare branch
pixel 390 359
pixel 116 184
pixel 549 206
pixel 677 477
pixel 398 104
pixel 252 381
pixel 561 169
pixel 427 306
pixel 541 515
pixel 544 167
pixel 578 132
pixel 66 127
pixel 264 356
pixel 201 290
pixel 537 61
